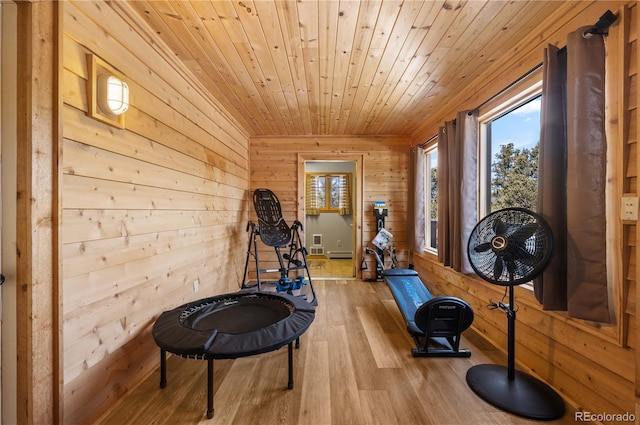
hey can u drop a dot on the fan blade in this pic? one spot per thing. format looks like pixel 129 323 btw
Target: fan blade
pixel 498 266
pixel 525 257
pixel 499 227
pixel 525 232
pixel 483 247
pixel 511 268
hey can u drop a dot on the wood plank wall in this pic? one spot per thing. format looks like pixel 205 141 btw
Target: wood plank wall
pixel 37 215
pixel 591 365
pixel 632 160
pixel 278 164
pixel 630 65
pixel 629 136
pixel 147 210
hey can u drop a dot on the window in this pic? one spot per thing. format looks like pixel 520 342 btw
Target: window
pixel 509 136
pixel 431 201
pixel 328 193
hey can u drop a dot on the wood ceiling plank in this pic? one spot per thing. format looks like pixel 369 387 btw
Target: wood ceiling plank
pixel 240 42
pixel 223 54
pixel 308 23
pixel 290 27
pixel 367 18
pixel 404 23
pixel 526 31
pixel 255 28
pixel 534 14
pixel 384 27
pixel 328 67
pixel 469 44
pixel 475 40
pixel 163 18
pixel 411 58
pixel 348 17
pixel 203 64
pixel 278 46
pixel 144 69
pixel 327 34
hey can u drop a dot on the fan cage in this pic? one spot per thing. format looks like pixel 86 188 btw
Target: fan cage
pixel 528 249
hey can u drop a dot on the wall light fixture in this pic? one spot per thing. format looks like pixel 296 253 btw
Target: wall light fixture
pixel 113 95
pixel 107 92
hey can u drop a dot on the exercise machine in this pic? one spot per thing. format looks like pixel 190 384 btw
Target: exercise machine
pixel 273 231
pixel 434 323
pixel 382 246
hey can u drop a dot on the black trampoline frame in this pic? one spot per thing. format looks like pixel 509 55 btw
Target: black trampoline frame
pixel 168 333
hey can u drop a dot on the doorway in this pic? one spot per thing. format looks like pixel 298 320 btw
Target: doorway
pixel 330 216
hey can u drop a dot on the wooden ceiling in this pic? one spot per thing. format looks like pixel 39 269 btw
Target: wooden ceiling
pixel 312 67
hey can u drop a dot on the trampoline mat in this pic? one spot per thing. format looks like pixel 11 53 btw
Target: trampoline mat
pixel 238 316
pixel 233 325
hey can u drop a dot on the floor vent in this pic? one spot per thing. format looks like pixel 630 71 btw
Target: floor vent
pixel 317 250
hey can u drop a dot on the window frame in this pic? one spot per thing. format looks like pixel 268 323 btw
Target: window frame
pixel 327 187
pixel 511 98
pixel 428 151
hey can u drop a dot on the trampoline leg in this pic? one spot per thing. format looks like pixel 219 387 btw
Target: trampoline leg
pixel 290 366
pixel 209 388
pixel 163 368
pixel 298 342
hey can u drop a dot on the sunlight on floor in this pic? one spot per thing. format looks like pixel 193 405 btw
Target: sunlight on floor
pixel 324 267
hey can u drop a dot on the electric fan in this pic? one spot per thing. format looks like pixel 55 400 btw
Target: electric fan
pixel 509 247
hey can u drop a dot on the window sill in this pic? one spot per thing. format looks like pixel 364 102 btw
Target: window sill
pixel 524 295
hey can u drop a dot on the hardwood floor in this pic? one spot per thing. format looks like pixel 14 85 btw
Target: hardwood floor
pixel 354 366
pixel 330 268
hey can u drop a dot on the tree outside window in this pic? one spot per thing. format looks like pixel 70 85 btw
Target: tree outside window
pixel 431 192
pixel 510 143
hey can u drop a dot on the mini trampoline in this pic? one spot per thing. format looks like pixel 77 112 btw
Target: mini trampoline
pixel 229 326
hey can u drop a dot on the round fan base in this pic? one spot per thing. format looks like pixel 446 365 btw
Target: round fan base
pixel 523 395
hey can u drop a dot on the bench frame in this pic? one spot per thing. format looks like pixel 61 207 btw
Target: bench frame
pixel 434 323
pixel 437 342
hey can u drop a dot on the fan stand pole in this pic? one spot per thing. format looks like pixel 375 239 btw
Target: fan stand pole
pixel 511 390
pixel 511 337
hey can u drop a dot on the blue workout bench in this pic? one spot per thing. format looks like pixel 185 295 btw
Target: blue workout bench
pixel 434 323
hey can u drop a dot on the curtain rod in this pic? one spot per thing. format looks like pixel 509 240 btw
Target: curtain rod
pixel 423 144
pixel 599 28
pixel 519 79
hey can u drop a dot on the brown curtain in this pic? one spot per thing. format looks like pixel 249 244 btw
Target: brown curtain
pixel 416 208
pixel 551 287
pixel 467 134
pixel 446 200
pixel 457 189
pixel 583 293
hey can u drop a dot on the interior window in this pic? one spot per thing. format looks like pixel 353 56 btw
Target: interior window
pixel 328 193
